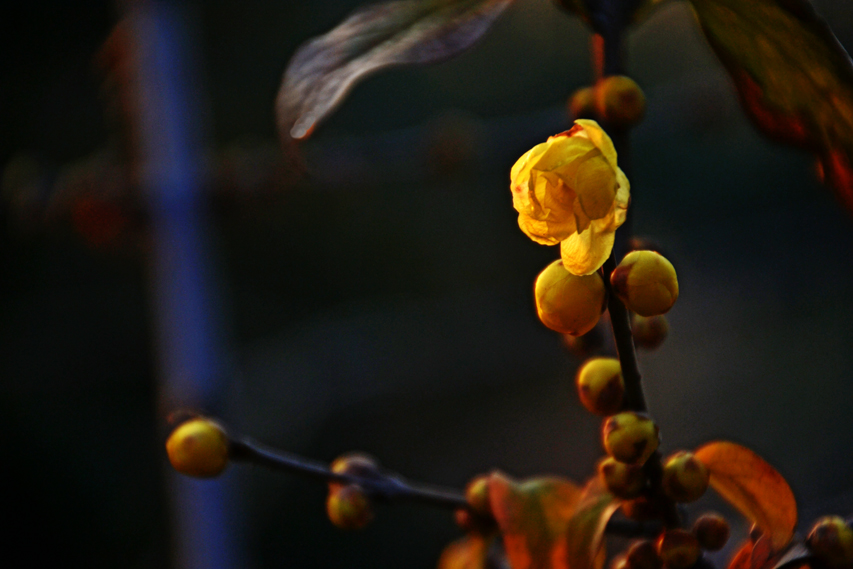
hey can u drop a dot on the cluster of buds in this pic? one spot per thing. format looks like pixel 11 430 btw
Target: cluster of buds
pixel 676 548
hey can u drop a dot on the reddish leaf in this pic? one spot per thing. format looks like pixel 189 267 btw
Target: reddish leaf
pixel 794 79
pixel 372 38
pixel 754 487
pixel 549 523
pixel 533 517
pixel 743 558
pixel 469 552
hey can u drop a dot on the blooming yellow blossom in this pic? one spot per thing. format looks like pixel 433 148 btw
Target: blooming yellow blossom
pixel 569 190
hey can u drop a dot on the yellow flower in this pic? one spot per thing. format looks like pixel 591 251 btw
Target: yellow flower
pixel 569 190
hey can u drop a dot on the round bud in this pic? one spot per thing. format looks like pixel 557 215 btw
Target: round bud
pixel 582 104
pixel 348 507
pixel 568 303
pixel 678 548
pixel 642 509
pixel 685 478
pixel 646 282
pixel 831 540
pixel 630 437
pixel 600 385
pixel 477 495
pixel 619 562
pixel 712 530
pixel 198 447
pixel 643 554
pixel 620 101
pixel 354 464
pixel 649 331
pixel 625 481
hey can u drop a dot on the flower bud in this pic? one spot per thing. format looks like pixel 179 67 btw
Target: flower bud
pixel 568 303
pixel 625 481
pixel 831 540
pixel 198 447
pixel 630 437
pixel 477 495
pixel 678 548
pixel 354 464
pixel 619 101
pixel 582 104
pixel 712 530
pixel 643 554
pixel 685 478
pixel 348 507
pixel 646 282
pixel 649 332
pixel 600 385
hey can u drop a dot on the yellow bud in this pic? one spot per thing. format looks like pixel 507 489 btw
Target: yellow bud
pixel 649 331
pixel 348 507
pixel 620 101
pixel 568 303
pixel 685 478
pixel 198 447
pixel 582 104
pixel 630 437
pixel 831 540
pixel 600 385
pixel 625 481
pixel 477 495
pixel 646 282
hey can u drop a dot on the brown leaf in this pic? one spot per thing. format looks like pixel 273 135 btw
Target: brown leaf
pixel 751 485
pixel 374 37
pixel 794 79
pixel 469 552
pixel 549 523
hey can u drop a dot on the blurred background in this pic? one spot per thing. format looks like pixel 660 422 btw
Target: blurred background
pixel 383 301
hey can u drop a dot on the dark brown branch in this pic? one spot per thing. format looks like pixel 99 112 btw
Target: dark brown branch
pixel 388 487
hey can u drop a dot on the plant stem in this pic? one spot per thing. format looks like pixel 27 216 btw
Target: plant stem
pixel 608 58
pixel 388 487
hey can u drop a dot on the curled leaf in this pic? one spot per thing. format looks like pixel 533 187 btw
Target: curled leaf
pixel 755 488
pixel 794 79
pixel 374 37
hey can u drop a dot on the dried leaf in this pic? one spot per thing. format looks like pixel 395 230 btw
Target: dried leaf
pixel 751 485
pixel 533 517
pixel 549 523
pixel 794 79
pixel 469 552
pixel 374 37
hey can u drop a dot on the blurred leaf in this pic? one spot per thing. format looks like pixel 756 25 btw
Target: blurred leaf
pixel 586 528
pixel 549 523
pixel 743 558
pixel 374 37
pixel 751 485
pixel 469 552
pixel 794 79
pixel 533 517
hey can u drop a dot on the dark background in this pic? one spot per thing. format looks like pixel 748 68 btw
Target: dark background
pixel 384 303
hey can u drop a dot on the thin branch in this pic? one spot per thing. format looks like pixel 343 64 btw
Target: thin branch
pixel 387 487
